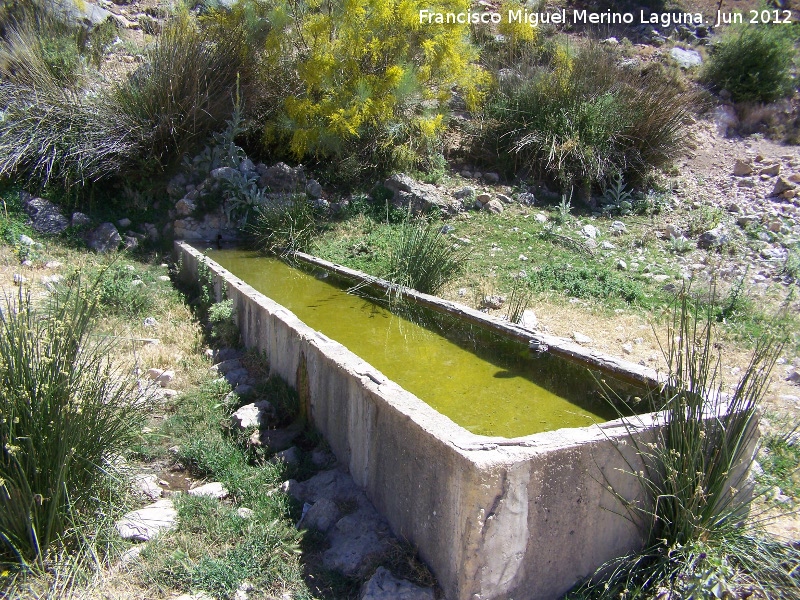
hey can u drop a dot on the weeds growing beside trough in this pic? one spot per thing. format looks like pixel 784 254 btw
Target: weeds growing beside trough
pixel 695 476
pixel 284 227
pixel 424 259
pixel 65 411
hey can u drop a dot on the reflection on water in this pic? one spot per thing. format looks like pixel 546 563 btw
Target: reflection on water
pixel 487 384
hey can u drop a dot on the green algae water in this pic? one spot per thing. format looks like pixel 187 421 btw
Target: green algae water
pixel 488 384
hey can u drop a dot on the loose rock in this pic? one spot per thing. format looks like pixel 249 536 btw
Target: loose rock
pixel 385 586
pixel 45 216
pixel 493 206
pixel 104 239
pixel 419 196
pixel 211 490
pixel 581 338
pixel 256 414
pixel 742 168
pixel 322 515
pixel 144 524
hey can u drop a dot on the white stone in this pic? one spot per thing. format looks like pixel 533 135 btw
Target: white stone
pixel 686 59
pixel 213 490
pixel 581 338
pixel 529 319
pixel 256 414
pixel 385 586
pixel 160 376
pixel 144 524
pixel 589 231
pixel 493 206
pixel 148 486
pixel 627 348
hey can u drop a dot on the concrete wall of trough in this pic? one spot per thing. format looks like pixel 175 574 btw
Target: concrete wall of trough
pixel 494 518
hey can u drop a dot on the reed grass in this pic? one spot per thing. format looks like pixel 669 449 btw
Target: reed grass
pixel 424 259
pixel 65 411
pixel 584 124
pixel 700 541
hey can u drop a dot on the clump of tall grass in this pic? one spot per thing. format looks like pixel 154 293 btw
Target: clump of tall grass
pixel 695 475
pixel 754 63
pixel 283 226
pixel 424 259
pixel 65 411
pixel 582 120
pixel 63 133
pixel 185 90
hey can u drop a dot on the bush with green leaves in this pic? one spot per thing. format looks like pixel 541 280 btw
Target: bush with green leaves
pixel 583 119
pixel 423 258
pixel 695 478
pixel 122 291
pixel 65 412
pixel 753 63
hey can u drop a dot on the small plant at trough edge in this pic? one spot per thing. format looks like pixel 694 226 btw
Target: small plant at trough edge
pixel 424 259
pixel 283 227
pixel 695 477
pixel 519 299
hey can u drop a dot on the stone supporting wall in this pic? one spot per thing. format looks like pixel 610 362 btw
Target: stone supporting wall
pixel 494 518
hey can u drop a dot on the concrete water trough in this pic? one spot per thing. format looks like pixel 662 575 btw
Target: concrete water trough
pixel 494 518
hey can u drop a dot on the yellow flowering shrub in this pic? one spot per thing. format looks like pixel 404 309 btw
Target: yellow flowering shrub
pixel 368 73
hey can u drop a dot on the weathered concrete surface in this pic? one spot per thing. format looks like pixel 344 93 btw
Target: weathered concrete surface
pixel 494 518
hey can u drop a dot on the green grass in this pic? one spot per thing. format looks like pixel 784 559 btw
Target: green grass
pixel 214 549
pixel 780 461
pixel 424 259
pixel 559 265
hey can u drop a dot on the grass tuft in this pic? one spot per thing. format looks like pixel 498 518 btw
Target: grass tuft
pixel 423 258
pixel 696 478
pixel 585 120
pixel 64 412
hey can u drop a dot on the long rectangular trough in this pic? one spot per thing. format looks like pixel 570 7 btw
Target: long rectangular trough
pixel 494 518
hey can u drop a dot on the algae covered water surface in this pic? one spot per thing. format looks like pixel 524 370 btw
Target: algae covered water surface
pixel 487 384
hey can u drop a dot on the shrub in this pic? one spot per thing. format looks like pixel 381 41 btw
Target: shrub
pixel 753 63
pixel 122 291
pixel 64 411
pixel 695 480
pixel 583 121
pixel 165 108
pixel 185 90
pixel 52 133
pixel 424 259
pixel 586 281
pixel 365 79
